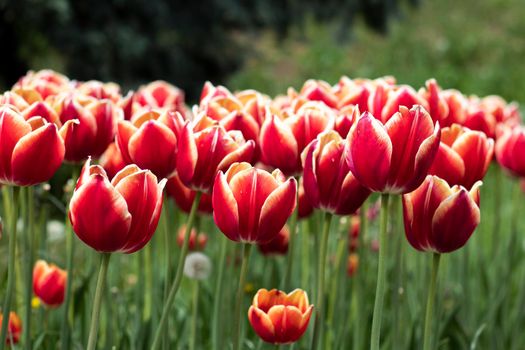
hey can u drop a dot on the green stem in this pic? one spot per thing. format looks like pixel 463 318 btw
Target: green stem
pixel 293 228
pixel 216 329
pixel 193 339
pixel 10 207
pixel 427 336
pixel 246 248
pixel 359 279
pixel 381 275
pixel 178 275
pixel 323 247
pixel 167 257
pixel 29 266
pixel 99 292
pixel 70 251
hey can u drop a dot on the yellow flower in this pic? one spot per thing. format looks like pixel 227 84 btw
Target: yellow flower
pixel 35 303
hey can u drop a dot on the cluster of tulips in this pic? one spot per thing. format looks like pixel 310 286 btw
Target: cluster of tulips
pixel 256 163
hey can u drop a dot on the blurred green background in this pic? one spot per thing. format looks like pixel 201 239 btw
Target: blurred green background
pixel 477 46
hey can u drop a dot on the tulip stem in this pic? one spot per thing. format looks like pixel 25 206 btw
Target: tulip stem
pixel 246 249
pixel 218 293
pixel 193 339
pixel 359 280
pixel 70 251
pixel 99 292
pixel 323 247
pixel 29 266
pixel 381 275
pixel 178 275
pixel 10 207
pixel 293 228
pixel 427 336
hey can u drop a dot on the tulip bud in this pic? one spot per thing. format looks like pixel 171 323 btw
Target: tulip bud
pixel 510 147
pixel 49 283
pixel 394 157
pixel 280 318
pixel 116 216
pixel 14 328
pixel 440 218
pixel 251 205
pixel 328 182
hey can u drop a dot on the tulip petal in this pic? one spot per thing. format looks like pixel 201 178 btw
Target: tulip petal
pixel 37 156
pixel 12 128
pixel 310 182
pixel 99 215
pixel 448 165
pixel 154 147
pixel 370 152
pixel 276 209
pixel 125 130
pixel 225 209
pixel 292 324
pixel 454 222
pixel 476 151
pixel 279 148
pixel 187 155
pixel 262 324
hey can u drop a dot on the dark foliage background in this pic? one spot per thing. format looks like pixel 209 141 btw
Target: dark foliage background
pixel 184 42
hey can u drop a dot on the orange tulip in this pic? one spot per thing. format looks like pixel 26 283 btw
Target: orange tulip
pixel 280 318
pixel 14 328
pixel 49 283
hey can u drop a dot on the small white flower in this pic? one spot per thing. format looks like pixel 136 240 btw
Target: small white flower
pixel 197 266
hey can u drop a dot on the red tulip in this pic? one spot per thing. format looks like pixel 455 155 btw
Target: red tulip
pixel 457 107
pixel 479 119
pixel 318 90
pixel 328 182
pixel 280 318
pixel 463 157
pixel 345 119
pixel 251 205
pixel 184 196
pixel 353 234
pixel 394 157
pixel 510 147
pixel 304 208
pixel 49 283
pixel 437 105
pixel 440 218
pixel 150 141
pixel 46 82
pixel 353 93
pixel 116 216
pixel 403 95
pixel 278 245
pixel 100 90
pixel 30 151
pixel 93 128
pixel 160 94
pixel 205 148
pixel 14 328
pixel 196 241
pixel 282 141
pixel 111 160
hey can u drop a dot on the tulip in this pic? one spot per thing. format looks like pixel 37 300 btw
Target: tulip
pixel 116 216
pixel 463 157
pixel 401 96
pixel 353 233
pixel 510 146
pixel 437 105
pixel 94 124
pixel 278 245
pixel 31 151
pixel 353 93
pixel 394 157
pixel 304 208
pixel 100 90
pixel 479 119
pixel 14 328
pixel 46 82
pixel 352 265
pixel 251 205
pixel 280 318
pixel 204 149
pixel 282 141
pixel 149 140
pixel 318 90
pixel 345 119
pixel 160 94
pixel 184 196
pixel 440 218
pixel 49 283
pixel 196 241
pixel 328 182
